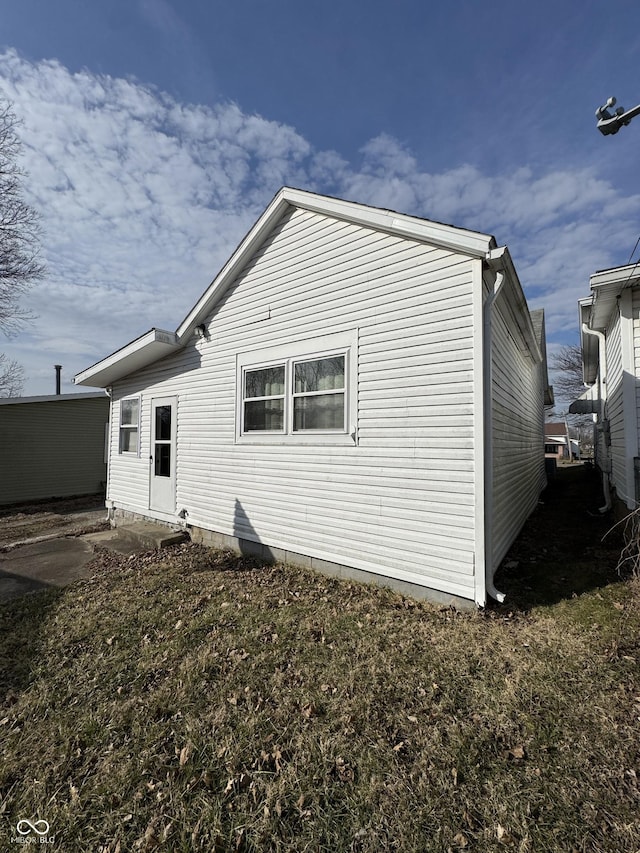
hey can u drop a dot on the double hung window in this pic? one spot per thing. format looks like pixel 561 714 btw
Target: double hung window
pixel 319 394
pixel 264 399
pixel 303 393
pixel 129 425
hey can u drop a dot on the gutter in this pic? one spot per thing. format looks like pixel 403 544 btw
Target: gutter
pixel 495 263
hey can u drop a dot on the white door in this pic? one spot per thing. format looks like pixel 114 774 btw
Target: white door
pixel 162 462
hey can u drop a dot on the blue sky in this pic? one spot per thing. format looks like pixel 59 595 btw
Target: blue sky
pixel 156 131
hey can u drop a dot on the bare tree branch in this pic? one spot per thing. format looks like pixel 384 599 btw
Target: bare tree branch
pixel 19 243
pixel 19 231
pixel 11 377
pixel 567 366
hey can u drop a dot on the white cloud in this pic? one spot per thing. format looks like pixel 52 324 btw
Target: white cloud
pixel 143 199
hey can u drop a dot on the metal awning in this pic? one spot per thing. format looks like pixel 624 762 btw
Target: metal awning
pixel 585 404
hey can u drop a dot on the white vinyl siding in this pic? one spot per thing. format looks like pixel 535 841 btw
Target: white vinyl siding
pixel 517 418
pixel 636 351
pixel 614 408
pixel 398 499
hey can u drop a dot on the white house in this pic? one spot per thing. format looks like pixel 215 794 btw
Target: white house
pixel 358 391
pixel 610 335
pixel 52 446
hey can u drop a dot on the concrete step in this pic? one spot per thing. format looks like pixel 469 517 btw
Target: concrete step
pixel 137 536
pixel 149 535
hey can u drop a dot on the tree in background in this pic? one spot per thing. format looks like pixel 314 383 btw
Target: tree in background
pixel 11 377
pixel 19 233
pixel 568 383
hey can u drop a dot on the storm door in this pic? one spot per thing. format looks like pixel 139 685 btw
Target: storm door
pixel 162 461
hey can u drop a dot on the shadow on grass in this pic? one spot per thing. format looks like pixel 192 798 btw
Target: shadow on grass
pixel 567 546
pixel 23 622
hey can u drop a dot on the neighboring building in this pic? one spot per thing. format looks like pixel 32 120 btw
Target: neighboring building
pixel 358 391
pixel 52 446
pixel 610 334
pixel 555 441
pixel 558 444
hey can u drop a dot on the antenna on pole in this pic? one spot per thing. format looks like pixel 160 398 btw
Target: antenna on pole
pixel 609 122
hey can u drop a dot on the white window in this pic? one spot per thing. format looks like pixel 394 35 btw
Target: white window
pixel 130 425
pixel 319 394
pixel 303 392
pixel 263 399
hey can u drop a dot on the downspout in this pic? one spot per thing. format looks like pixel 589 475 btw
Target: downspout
pixel 602 359
pixel 109 504
pixel 487 379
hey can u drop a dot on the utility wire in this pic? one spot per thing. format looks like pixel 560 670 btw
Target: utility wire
pixel 634 251
pixel 635 266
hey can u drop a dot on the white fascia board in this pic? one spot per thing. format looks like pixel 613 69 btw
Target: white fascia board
pixel 471 243
pixel 606 287
pixel 614 275
pixel 500 259
pixel 150 347
pixel 251 242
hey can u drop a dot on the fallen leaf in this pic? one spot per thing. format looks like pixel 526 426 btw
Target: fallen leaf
pixel 460 840
pixel 516 752
pixel 504 836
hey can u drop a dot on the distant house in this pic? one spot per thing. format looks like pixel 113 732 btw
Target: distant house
pixel 358 391
pixel 557 443
pixel 610 335
pixel 52 446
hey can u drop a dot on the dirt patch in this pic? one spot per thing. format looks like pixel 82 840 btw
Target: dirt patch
pixel 566 548
pixel 68 517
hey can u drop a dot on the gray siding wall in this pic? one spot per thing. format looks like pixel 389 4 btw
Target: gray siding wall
pixel 52 449
pixel 518 433
pixel 400 502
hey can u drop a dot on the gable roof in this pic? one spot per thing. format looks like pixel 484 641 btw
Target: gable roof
pixel 156 343
pixel 555 429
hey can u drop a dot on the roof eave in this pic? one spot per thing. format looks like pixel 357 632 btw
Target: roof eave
pixel 150 347
pixel 606 287
pixel 500 259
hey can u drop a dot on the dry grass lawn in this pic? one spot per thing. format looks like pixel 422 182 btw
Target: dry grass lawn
pixel 191 700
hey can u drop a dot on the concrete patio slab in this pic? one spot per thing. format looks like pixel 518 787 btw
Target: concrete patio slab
pixel 30 568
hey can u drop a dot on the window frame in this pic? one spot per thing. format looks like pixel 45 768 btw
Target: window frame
pixel 344 344
pixel 123 428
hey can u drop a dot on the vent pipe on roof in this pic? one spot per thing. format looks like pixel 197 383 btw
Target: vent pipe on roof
pixel 58 368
